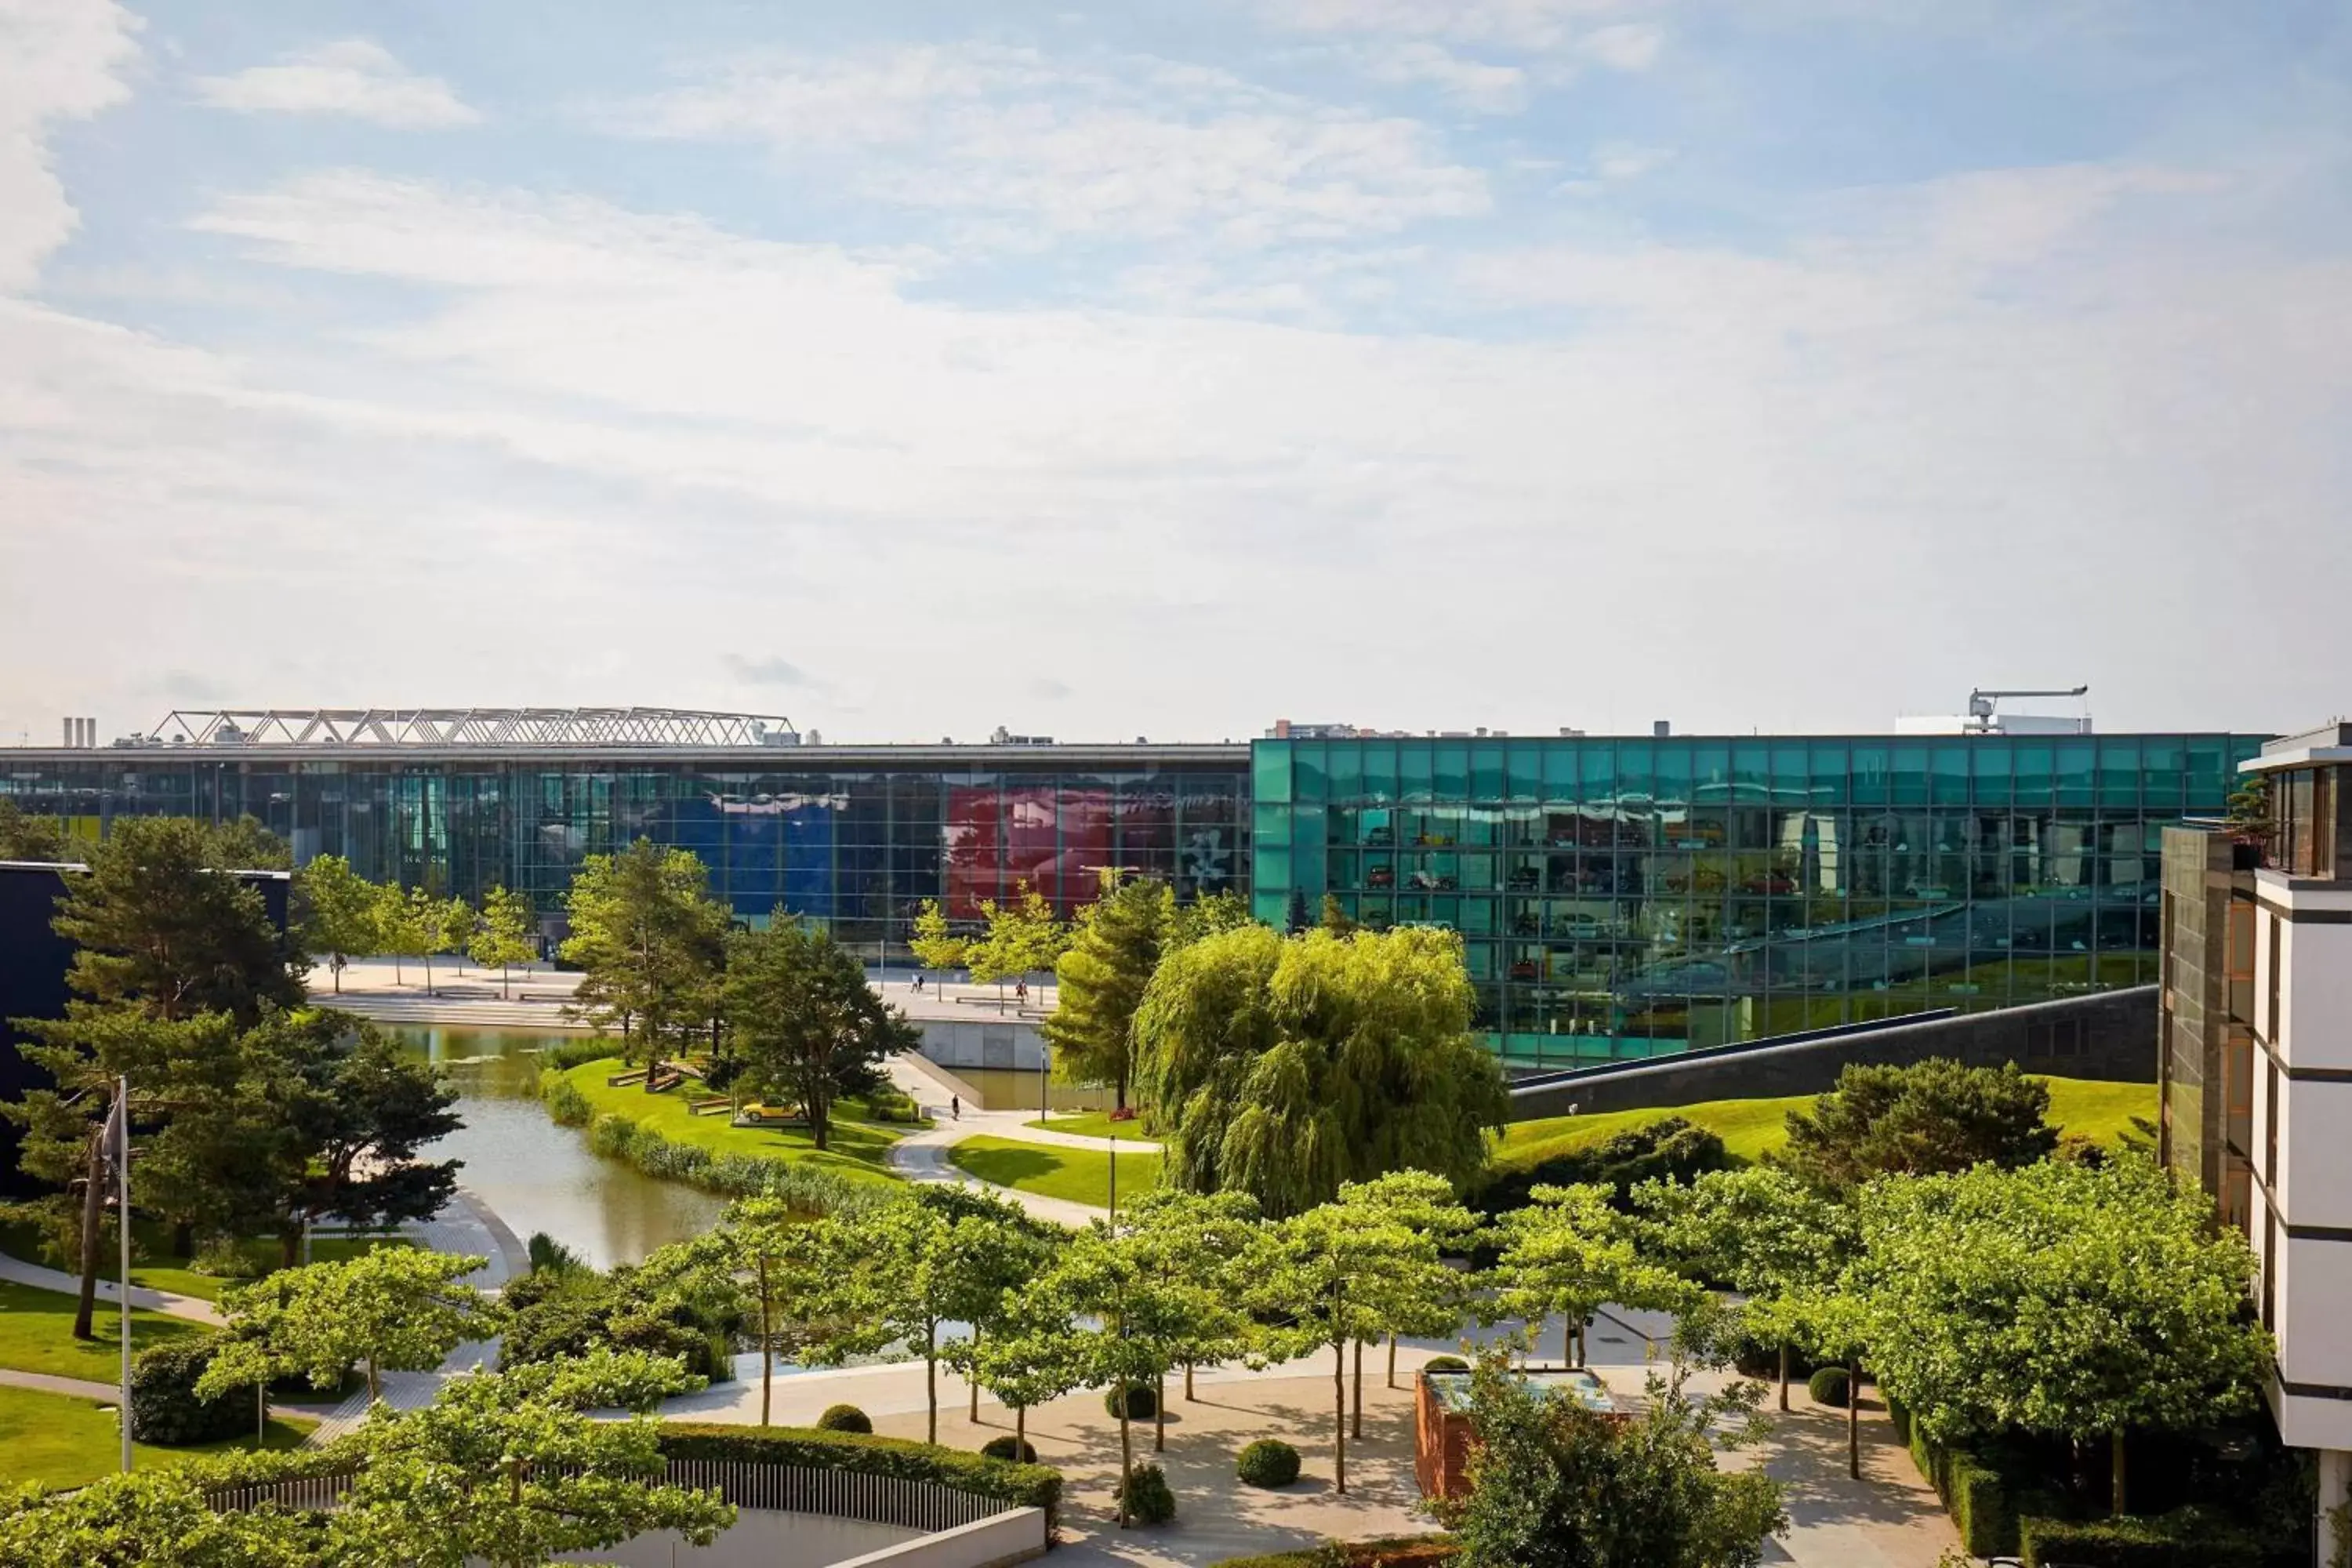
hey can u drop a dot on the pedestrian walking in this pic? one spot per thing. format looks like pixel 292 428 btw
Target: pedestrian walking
pixel 955 1108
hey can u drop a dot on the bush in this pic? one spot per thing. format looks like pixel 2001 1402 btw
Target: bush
pixel 1023 1485
pixel 1394 1552
pixel 1268 1462
pixel 1669 1149
pixel 1145 1492
pixel 1019 1450
pixel 844 1418
pixel 1445 1363
pixel 1976 1495
pixel 1141 1400
pixel 1828 1386
pixel 567 1054
pixel 892 1106
pixel 565 1104
pixel 165 1409
pixel 2187 1539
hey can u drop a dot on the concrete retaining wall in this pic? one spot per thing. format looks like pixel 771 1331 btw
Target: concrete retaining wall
pixel 2111 1035
pixel 987 1039
pixel 761 1539
pixel 1010 1537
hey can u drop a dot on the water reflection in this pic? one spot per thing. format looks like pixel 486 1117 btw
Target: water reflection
pixel 537 1175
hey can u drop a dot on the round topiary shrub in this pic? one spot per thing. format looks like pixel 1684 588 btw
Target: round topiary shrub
pixel 1145 1492
pixel 1019 1450
pixel 1141 1399
pixel 1828 1386
pixel 1445 1363
pixel 1268 1462
pixel 165 1409
pixel 844 1418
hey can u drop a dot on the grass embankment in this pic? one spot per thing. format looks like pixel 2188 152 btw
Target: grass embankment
pixel 36 1334
pixel 151 1268
pixel 1078 1175
pixel 1095 1124
pixel 57 1440
pixel 857 1149
pixel 1751 1129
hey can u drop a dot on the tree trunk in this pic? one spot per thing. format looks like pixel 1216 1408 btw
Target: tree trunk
pixel 505 979
pixel 1125 1455
pixel 1853 1419
pixel 767 1341
pixel 93 1212
pixel 1391 1361
pixel 184 1238
pixel 820 1123
pixel 376 1383
pixel 1020 1429
pixel 1340 1414
pixel 1784 1378
pixel 972 1381
pixel 399 971
pixel 1356 1419
pixel 338 968
pixel 931 1380
pixel 1188 1383
pixel 290 1247
pixel 428 975
pixel 2120 1495
pixel 1118 1091
pixel 1160 1414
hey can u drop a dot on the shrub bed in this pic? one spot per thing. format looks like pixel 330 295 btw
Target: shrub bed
pixel 1268 1462
pixel 811 1189
pixel 1398 1551
pixel 1445 1363
pixel 1975 1494
pixel 566 1054
pixel 844 1418
pixel 1022 1486
pixel 1829 1386
pixel 2187 1539
pixel 165 1409
pixel 1015 1450
pixel 1145 1492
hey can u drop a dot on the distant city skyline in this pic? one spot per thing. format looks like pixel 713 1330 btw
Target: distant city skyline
pixel 1788 365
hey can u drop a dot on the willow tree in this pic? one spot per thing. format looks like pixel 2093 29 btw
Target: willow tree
pixel 1285 1066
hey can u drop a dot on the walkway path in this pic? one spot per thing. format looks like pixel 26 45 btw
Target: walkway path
pixel 922 1156
pixel 192 1308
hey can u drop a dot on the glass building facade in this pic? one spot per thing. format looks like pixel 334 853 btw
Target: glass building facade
pixel 1628 897
pixel 856 839
pixel 1618 897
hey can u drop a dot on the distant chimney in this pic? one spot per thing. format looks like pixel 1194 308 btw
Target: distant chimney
pixel 1282 729
pixel 1661 728
pixel 72 732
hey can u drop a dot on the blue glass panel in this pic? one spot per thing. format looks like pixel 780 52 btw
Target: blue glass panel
pixel 808 859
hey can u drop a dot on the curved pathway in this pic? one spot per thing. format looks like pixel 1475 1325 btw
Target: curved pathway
pixel 922 1156
pixel 41 1278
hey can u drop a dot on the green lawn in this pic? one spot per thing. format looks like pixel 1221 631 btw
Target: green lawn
pixel 37 1334
pixel 151 1266
pixel 1095 1124
pixel 57 1440
pixel 858 1148
pixel 1080 1175
pixel 1751 1128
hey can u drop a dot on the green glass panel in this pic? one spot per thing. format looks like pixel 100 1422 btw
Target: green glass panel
pixel 1343 761
pixel 1380 772
pixel 2078 772
pixel 1272 871
pixel 1949 781
pixel 1271 825
pixel 1907 773
pixel 1416 774
pixel 1871 782
pixel 1636 768
pixel 1308 779
pixel 2163 773
pixel 1486 775
pixel 2120 770
pixel 1270 770
pixel 1673 776
pixel 2036 775
pixel 1750 772
pixel 1828 765
pixel 1270 908
pixel 1451 777
pixel 1597 771
pixel 1527 770
pixel 2208 781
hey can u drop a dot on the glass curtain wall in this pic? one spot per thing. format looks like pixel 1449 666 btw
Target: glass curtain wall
pixel 858 850
pixel 1627 896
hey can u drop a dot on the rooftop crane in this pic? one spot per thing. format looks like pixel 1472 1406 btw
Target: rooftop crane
pixel 1981 701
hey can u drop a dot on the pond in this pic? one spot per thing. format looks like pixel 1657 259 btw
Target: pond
pixel 536 1175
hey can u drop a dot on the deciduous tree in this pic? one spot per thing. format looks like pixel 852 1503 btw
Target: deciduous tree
pixel 651 943
pixel 391 1308
pixel 502 939
pixel 1023 937
pixel 1569 1253
pixel 935 946
pixel 339 911
pixel 1282 1067
pixel 24 837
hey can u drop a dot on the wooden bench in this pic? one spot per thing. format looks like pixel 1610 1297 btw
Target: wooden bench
pixel 709 1104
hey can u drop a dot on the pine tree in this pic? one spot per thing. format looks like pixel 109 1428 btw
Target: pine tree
pixel 1102 978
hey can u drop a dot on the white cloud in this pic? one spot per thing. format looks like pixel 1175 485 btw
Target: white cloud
pixel 1523 24
pixel 1120 148
pixel 1627 160
pixel 1993 393
pixel 1624 46
pixel 1474 84
pixel 356 77
pixel 60 60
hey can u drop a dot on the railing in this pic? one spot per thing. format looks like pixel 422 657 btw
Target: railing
pixel 784 1488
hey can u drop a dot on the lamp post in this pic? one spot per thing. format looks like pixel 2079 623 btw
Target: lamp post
pixel 1114 1195
pixel 122 1233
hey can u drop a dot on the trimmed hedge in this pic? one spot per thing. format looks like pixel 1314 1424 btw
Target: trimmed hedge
pixel 571 1053
pixel 1020 1486
pixel 1268 1462
pixel 844 1418
pixel 1445 1363
pixel 1828 1386
pixel 1142 1401
pixel 165 1409
pixel 1975 1494
pixel 1014 1450
pixel 2187 1539
pixel 1145 1494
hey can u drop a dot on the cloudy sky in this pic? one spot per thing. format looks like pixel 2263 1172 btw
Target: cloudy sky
pixel 912 368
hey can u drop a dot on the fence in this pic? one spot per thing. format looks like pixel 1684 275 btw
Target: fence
pixel 784 1488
